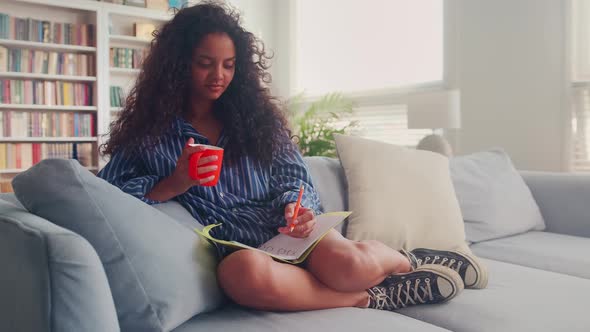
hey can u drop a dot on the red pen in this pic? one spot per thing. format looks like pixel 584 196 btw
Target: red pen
pixel 296 212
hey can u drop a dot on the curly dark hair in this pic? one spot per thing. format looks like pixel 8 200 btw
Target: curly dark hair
pixel 251 117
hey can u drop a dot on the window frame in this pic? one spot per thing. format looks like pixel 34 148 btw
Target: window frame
pixel 572 83
pixel 385 95
pixel 389 96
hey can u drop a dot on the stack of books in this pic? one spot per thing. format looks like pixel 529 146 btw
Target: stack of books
pixel 39 92
pixel 43 62
pixel 117 96
pixel 25 155
pixel 127 57
pixel 46 124
pixel 29 29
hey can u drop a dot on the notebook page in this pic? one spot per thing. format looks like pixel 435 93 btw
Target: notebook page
pixel 287 247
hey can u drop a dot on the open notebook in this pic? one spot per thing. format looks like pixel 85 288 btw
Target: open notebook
pixel 284 247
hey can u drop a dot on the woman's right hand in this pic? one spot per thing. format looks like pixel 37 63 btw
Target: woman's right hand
pixel 180 178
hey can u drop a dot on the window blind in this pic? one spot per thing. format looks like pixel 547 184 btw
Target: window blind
pixel 580 127
pixel 580 87
pixel 343 47
pixel 387 123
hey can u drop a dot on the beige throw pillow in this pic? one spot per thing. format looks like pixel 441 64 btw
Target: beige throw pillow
pixel 401 197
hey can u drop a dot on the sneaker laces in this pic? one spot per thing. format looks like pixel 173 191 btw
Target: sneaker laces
pixel 402 294
pixel 435 260
pixel 414 261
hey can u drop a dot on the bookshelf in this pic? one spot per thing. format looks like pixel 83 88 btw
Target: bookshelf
pixel 130 40
pixel 46 46
pixel 124 71
pixel 69 78
pixel 48 139
pixel 120 21
pixel 32 107
pixel 113 27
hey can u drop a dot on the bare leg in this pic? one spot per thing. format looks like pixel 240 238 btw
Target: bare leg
pixel 350 266
pixel 254 280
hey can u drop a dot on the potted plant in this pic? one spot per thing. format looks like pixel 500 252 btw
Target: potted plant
pixel 315 123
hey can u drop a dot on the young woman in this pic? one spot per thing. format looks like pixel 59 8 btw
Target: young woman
pixel 204 82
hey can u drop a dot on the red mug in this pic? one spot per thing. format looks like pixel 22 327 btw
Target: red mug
pixel 210 150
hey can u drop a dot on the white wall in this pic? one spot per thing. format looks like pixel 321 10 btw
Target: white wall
pixel 265 19
pixel 260 18
pixel 283 47
pixel 508 59
pixel 510 67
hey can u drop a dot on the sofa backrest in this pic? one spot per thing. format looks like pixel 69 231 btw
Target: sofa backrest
pixel 330 182
pixel 11 198
pixel 51 279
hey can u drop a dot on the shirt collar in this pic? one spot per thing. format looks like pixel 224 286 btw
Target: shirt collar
pixel 185 129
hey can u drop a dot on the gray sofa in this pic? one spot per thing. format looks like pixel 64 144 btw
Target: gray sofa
pixel 539 280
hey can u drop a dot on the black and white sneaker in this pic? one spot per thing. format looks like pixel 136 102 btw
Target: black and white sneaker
pixel 472 271
pixel 427 284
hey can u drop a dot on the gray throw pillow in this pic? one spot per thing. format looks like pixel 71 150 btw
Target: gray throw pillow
pixel 495 201
pixel 159 272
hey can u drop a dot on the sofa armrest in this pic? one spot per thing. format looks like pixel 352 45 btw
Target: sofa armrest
pixel 564 200
pixel 51 279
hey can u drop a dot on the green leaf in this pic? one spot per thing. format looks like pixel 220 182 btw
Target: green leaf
pixel 315 122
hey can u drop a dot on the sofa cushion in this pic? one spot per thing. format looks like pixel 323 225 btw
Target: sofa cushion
pixel 517 298
pixel 240 319
pixel 159 271
pixel 51 279
pixel 542 250
pixel 10 198
pixel 176 211
pixel 401 197
pixel 495 201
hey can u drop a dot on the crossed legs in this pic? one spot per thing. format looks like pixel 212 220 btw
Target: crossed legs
pixel 337 274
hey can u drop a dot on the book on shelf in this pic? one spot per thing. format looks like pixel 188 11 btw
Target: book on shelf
pixel 117 96
pixel 144 30
pixel 178 4
pixel 43 92
pixel 126 57
pixel 46 124
pixel 135 3
pixel 45 62
pixel 3 59
pixel 42 31
pixel 157 4
pixel 6 186
pixel 25 155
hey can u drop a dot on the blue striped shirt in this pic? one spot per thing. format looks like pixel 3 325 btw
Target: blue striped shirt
pixel 248 200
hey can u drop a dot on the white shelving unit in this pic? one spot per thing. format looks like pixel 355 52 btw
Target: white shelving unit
pixel 134 12
pixel 46 46
pixel 48 77
pixel 124 71
pixel 113 28
pixel 61 108
pixel 48 139
pixel 130 40
pixel 120 20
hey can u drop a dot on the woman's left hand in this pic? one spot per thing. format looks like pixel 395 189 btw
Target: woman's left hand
pixel 304 223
